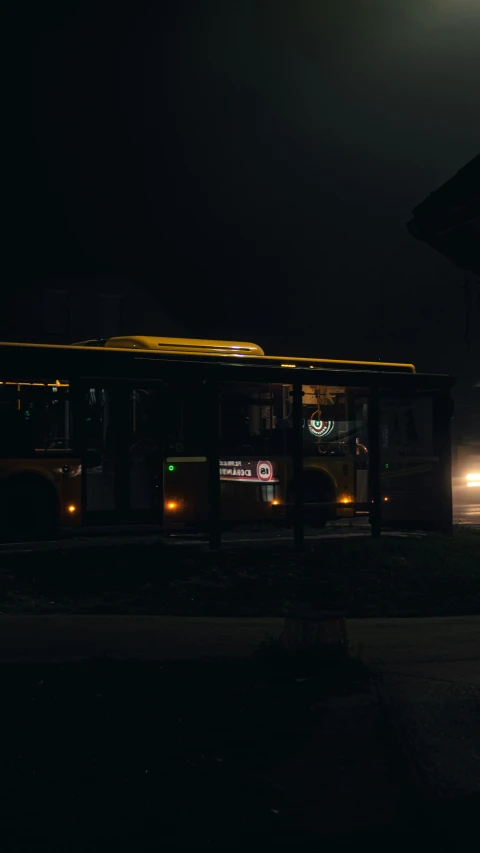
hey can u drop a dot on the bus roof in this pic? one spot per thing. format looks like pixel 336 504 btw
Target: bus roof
pixel 191 346
pixel 184 345
pixel 179 348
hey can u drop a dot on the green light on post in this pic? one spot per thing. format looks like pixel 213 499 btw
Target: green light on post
pixel 386 464
pixel 171 467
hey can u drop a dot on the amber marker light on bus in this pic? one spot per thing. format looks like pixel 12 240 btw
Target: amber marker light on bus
pixel 275 503
pixel 346 499
pixel 71 508
pixel 172 505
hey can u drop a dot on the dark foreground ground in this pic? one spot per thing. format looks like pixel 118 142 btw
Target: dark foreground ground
pixel 195 755
pixel 270 753
pixel 424 576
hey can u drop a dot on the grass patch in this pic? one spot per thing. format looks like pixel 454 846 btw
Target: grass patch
pixel 432 575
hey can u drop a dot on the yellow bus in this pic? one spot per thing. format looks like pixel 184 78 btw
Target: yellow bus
pixel 146 429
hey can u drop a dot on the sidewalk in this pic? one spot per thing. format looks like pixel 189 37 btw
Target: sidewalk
pixel 430 670
pixel 431 676
pixel 58 639
pixel 441 648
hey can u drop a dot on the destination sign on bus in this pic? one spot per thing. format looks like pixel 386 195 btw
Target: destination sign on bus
pixel 248 471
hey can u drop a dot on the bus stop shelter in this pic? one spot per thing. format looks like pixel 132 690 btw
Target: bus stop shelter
pixel 409 477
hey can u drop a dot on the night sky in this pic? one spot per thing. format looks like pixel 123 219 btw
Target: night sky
pixel 255 162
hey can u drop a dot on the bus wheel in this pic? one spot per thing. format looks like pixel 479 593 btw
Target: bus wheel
pixel 29 510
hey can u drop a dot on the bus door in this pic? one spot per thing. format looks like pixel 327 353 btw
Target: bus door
pixel 167 465
pixel 98 452
pixel 123 452
pixel 145 440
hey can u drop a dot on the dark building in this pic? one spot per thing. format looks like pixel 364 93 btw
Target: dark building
pixel 449 221
pixel 64 310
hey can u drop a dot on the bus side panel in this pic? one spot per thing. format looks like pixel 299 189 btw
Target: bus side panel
pixel 245 496
pixel 185 491
pixel 409 497
pixel 62 473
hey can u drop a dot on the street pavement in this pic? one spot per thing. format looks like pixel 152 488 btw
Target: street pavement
pixel 467 513
pixel 466 505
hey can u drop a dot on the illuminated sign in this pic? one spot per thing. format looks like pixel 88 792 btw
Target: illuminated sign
pixel 248 471
pixel 320 429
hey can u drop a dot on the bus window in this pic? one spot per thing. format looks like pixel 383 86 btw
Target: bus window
pixel 34 418
pixel 255 419
pixel 331 421
pixel 407 426
pixel 409 463
pixel 100 447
